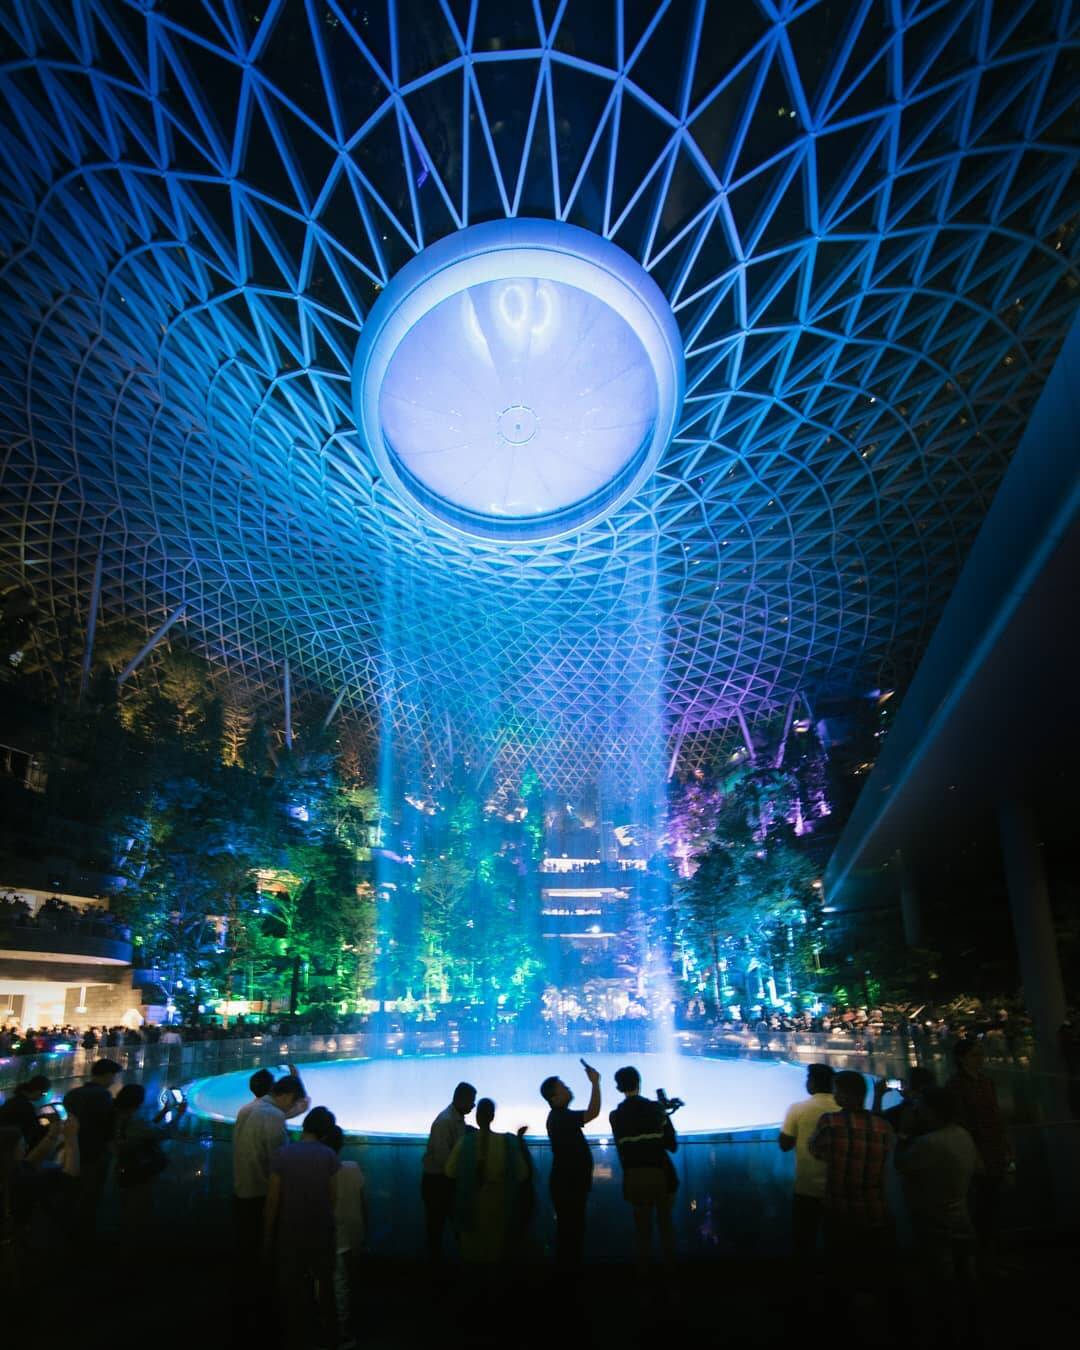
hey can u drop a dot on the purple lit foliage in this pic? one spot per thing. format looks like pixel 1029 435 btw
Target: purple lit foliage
pixel 748 909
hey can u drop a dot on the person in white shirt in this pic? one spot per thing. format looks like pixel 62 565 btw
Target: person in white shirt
pixel 351 1222
pixel 436 1188
pixel 259 1084
pixel 799 1124
pixel 258 1133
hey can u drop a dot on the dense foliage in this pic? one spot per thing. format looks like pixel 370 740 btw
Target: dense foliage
pixel 750 911
pixel 257 876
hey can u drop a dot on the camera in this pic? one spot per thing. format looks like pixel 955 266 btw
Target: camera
pixel 172 1097
pixel 669 1104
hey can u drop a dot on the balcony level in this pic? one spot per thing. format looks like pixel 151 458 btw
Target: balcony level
pixel 64 930
pixel 77 945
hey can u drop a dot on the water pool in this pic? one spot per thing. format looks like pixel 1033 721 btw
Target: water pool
pixel 400 1097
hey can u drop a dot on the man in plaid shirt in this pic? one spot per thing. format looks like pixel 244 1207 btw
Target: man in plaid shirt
pixel 854 1146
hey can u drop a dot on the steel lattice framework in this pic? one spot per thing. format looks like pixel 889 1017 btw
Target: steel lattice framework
pixel 863 216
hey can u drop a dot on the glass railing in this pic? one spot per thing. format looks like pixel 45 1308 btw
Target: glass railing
pixel 735 1193
pixel 734 1198
pixel 884 1055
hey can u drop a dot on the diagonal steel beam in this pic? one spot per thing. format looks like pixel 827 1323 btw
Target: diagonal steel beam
pixel 333 709
pixel 91 620
pixel 288 705
pixel 151 642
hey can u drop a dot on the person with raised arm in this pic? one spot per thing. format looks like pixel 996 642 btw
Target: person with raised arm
pixel 571 1165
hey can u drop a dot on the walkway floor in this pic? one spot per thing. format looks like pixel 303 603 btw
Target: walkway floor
pixel 181 1287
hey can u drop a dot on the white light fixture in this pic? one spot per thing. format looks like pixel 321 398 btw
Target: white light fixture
pixel 519 379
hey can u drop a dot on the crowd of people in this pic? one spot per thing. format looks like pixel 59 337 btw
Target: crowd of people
pixel 953 1157
pixel 1005 1034
pixel 58 1155
pixel 300 1210
pixel 306 1211
pixel 59 1039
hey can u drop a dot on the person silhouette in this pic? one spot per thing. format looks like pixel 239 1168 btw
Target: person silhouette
pixel 571 1166
pixel 645 1138
pixel 436 1188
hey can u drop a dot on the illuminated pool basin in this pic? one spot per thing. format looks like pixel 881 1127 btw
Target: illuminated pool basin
pixel 400 1097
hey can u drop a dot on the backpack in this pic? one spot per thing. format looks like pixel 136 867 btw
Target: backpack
pixel 138 1160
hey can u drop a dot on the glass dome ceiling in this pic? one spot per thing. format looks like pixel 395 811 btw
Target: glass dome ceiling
pixel 866 231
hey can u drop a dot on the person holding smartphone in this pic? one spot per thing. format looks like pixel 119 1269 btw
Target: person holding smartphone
pixel 571 1165
pixel 36 1175
pixel 137 1145
pixel 645 1138
pixel 22 1107
pixel 902 1116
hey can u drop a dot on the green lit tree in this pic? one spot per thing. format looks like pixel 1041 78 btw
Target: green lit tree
pixel 532 796
pixel 443 886
pixel 191 893
pixel 318 926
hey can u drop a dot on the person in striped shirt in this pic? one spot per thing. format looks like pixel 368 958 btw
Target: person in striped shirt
pixel 854 1145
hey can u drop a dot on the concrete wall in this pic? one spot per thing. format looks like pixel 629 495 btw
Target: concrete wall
pixel 51 992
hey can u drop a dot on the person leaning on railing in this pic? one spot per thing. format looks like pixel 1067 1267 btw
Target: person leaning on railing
pixel 21 1109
